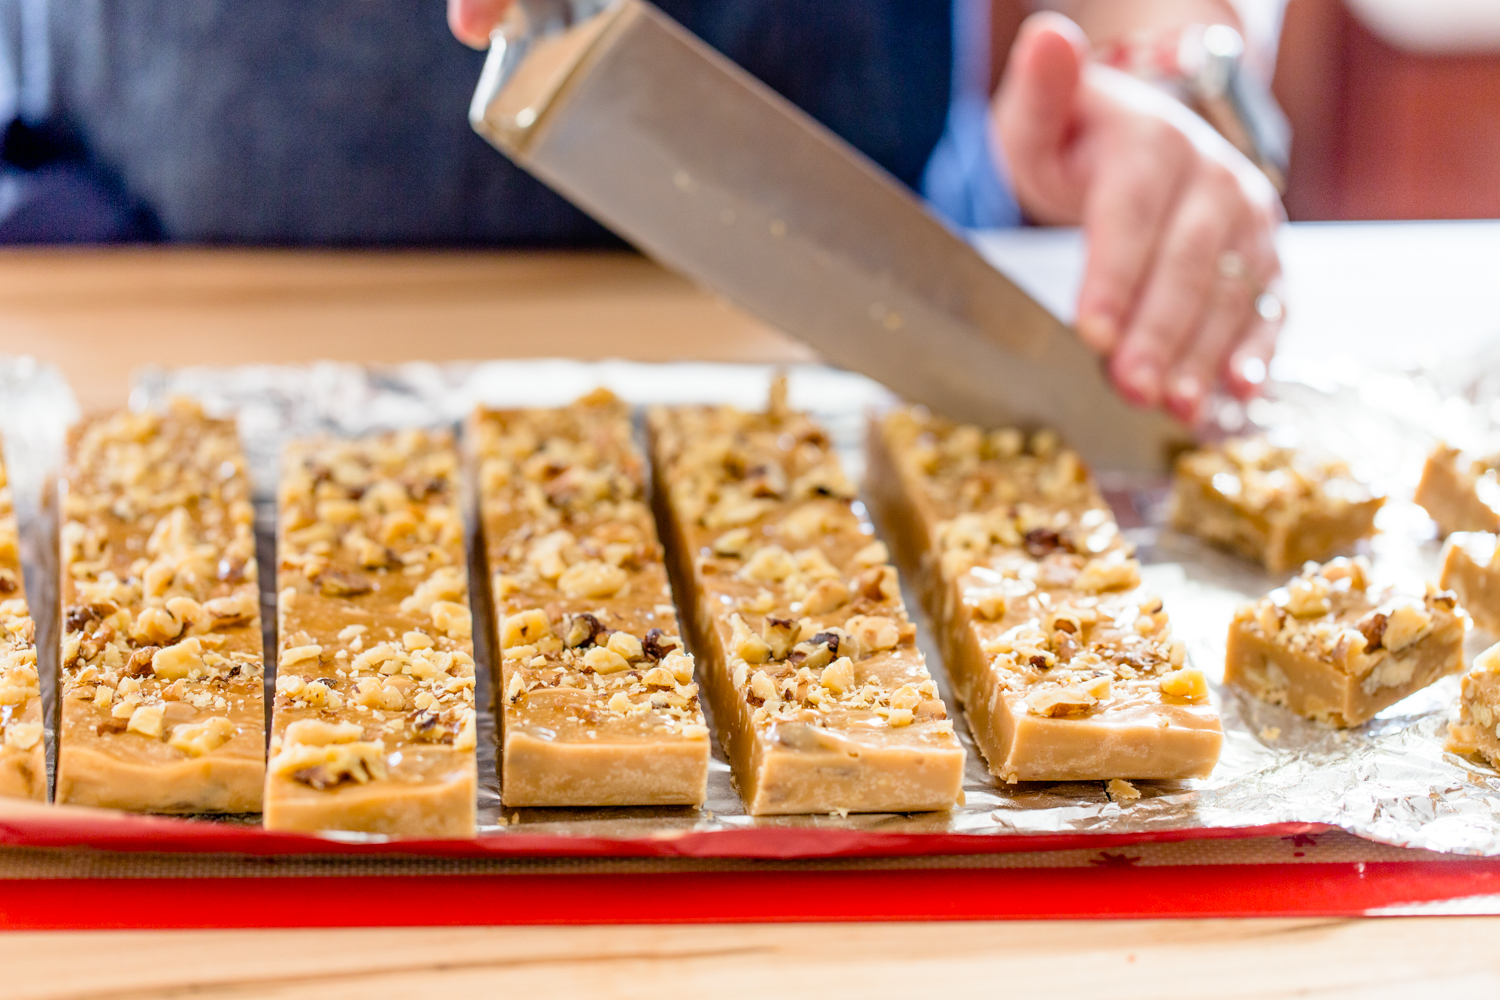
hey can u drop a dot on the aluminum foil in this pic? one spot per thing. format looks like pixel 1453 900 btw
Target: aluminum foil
pixel 1389 780
pixel 36 409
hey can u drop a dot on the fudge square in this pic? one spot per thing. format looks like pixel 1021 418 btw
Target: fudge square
pixel 1460 491
pixel 1274 505
pixel 1329 647
pixel 1471 572
pixel 1477 731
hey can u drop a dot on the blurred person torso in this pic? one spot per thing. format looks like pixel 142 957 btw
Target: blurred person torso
pixel 343 122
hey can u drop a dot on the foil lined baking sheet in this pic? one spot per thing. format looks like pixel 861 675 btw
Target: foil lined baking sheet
pixel 1389 780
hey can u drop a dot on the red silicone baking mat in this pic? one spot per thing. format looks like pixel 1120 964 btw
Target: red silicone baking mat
pixel 1309 874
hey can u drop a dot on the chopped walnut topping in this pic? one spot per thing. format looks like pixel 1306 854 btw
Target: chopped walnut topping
pixel 592 651
pixel 813 624
pixel 161 627
pixel 1330 612
pixel 376 670
pixel 1273 504
pixel 20 687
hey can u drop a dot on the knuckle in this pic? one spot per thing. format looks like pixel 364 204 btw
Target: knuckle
pixel 1196 246
pixel 1220 179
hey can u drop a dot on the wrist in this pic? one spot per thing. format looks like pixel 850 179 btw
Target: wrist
pixel 1201 65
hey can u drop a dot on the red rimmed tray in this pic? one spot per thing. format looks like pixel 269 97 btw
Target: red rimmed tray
pixel 1115 890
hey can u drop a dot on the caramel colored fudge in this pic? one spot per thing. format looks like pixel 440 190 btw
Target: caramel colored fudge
pixel 822 699
pixel 1274 505
pixel 1477 731
pixel 1065 669
pixel 599 705
pixel 373 726
pixel 1472 572
pixel 1330 648
pixel 162 672
pixel 23 760
pixel 1460 492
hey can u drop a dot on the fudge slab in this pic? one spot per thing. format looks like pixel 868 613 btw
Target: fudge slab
pixel 1276 506
pixel 1459 491
pixel 1329 647
pixel 1477 731
pixel 822 700
pixel 162 670
pixel 373 727
pixel 23 756
pixel 599 706
pixel 1066 671
pixel 1471 572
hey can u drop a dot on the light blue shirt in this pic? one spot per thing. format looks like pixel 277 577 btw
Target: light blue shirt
pixel 965 181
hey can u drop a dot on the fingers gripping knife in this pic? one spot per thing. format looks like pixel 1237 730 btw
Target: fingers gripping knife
pixel 704 168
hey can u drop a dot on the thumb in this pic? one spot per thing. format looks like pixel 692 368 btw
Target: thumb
pixel 1036 114
pixel 473 20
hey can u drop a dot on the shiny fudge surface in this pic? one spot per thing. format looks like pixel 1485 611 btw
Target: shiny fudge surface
pixel 1334 648
pixel 162 672
pixel 374 726
pixel 1477 731
pixel 599 704
pixel 1471 571
pixel 1066 669
pixel 23 762
pixel 1460 491
pixel 823 701
pixel 1277 506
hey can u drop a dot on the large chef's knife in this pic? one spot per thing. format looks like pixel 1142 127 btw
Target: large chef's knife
pixel 641 124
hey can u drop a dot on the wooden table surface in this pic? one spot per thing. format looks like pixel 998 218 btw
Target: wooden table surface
pixel 98 314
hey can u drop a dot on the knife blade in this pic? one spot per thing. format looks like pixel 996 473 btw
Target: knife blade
pixel 707 170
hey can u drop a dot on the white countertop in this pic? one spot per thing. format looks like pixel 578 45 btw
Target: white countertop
pixel 1391 293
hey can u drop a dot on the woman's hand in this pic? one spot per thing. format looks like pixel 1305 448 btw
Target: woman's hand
pixel 1180 226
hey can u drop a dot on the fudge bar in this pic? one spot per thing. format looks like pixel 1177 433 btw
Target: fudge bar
pixel 1460 492
pixel 23 761
pixel 162 672
pixel 1471 571
pixel 373 723
pixel 1329 647
pixel 1065 669
pixel 1274 505
pixel 1477 731
pixel 822 699
pixel 598 702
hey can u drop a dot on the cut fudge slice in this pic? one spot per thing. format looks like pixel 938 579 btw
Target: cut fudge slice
pixel 1470 570
pixel 822 699
pixel 599 705
pixel 1460 492
pixel 1329 648
pixel 23 759
pixel 162 672
pixel 1275 505
pixel 1477 731
pixel 373 726
pixel 1065 670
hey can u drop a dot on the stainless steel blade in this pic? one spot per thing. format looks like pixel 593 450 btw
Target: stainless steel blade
pixel 704 168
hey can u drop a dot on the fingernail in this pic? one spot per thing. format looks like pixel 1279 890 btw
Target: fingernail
pixel 1098 331
pixel 1252 371
pixel 1140 382
pixel 1185 397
